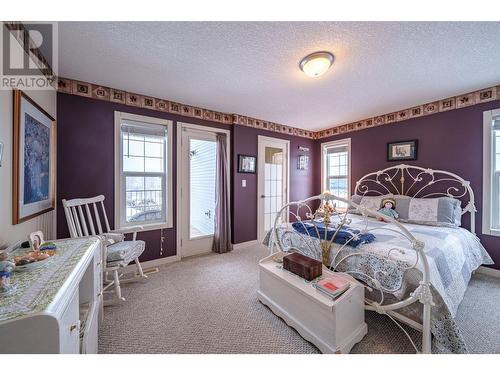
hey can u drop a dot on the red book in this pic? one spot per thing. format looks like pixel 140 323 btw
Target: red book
pixel 333 286
pixel 330 286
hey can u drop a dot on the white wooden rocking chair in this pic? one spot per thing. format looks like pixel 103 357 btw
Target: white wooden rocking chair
pixel 119 253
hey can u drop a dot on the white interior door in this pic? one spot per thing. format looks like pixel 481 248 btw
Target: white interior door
pixel 197 178
pixel 273 164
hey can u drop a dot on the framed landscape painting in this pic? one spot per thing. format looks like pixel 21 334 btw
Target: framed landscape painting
pixel 34 163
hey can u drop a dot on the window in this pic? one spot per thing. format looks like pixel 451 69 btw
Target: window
pixel 143 171
pixel 491 172
pixel 336 168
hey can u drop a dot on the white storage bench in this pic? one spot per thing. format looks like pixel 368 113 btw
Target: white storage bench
pixel 333 326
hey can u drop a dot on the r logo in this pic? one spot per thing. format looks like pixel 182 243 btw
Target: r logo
pixel 37 37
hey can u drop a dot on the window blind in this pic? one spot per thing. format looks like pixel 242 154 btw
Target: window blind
pixel 496 123
pixel 336 149
pixel 140 128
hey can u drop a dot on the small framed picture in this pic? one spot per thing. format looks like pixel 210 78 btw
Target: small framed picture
pixel 402 150
pixel 36 239
pixel 246 164
pixel 303 162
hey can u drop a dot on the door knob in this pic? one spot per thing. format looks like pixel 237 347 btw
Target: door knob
pixel 262 196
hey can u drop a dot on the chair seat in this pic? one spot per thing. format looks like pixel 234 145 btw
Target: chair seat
pixel 122 253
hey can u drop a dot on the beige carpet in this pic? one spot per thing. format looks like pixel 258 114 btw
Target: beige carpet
pixel 208 304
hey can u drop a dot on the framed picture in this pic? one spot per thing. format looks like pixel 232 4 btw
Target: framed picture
pixel 402 150
pixel 303 162
pixel 34 159
pixel 246 164
pixel 36 239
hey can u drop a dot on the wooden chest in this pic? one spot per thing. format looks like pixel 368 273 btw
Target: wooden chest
pixel 333 325
pixel 302 266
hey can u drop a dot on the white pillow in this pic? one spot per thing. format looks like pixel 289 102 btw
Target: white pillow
pixel 442 211
pixel 423 209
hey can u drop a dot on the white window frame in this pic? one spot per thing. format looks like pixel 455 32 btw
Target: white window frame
pixel 488 173
pixel 119 183
pixel 345 142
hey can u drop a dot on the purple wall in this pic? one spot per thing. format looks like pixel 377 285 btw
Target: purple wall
pixel 85 160
pixel 85 166
pixel 450 141
pixel 303 183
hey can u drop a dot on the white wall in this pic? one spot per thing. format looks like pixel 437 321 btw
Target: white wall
pixel 12 233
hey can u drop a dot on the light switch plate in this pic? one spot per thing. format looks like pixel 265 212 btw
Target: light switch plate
pixel 243 183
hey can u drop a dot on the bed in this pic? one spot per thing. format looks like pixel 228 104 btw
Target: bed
pixel 414 272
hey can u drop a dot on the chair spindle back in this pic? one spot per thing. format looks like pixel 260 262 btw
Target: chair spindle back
pixel 78 213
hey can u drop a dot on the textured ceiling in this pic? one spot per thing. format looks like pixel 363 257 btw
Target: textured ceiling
pixel 251 68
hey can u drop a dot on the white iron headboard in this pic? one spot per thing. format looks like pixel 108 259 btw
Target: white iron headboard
pixel 419 182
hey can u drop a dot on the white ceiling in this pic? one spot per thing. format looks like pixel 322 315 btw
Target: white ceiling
pixel 251 68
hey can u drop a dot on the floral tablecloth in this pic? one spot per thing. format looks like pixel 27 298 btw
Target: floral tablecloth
pixel 35 289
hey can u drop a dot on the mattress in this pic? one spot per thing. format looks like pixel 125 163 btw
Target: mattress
pixel 453 254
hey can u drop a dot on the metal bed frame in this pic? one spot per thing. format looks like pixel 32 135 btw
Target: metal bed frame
pixel 403 179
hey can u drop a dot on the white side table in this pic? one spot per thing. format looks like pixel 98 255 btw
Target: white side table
pixel 333 326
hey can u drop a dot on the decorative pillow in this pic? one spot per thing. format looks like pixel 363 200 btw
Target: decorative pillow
pixel 443 211
pixel 371 203
pixel 356 199
pixel 458 215
pixel 402 206
pixel 423 209
pixel 112 238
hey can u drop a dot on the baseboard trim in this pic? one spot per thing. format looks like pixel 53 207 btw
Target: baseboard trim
pixel 243 245
pixel 152 263
pixel 489 271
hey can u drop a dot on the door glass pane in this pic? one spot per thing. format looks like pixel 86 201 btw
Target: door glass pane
pixel 202 155
pixel 267 205
pixel 267 188
pixel 273 182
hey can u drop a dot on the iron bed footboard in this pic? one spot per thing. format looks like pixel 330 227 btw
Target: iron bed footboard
pixel 403 179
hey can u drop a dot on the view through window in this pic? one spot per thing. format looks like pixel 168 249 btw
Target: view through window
pixel 144 173
pixel 336 169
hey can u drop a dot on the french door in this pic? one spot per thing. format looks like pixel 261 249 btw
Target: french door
pixel 273 162
pixel 197 178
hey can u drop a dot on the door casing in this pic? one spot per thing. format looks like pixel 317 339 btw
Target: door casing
pixel 180 218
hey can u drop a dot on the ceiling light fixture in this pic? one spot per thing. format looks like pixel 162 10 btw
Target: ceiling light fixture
pixel 316 64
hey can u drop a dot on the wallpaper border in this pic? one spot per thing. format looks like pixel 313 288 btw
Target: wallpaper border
pixel 456 102
pixel 90 90
pixel 94 91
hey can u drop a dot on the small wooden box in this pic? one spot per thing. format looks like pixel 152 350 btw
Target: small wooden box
pixel 302 266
